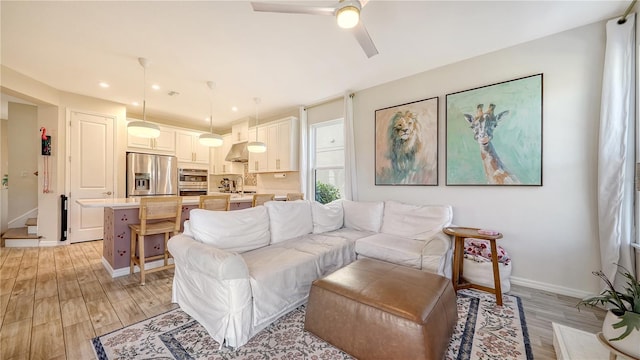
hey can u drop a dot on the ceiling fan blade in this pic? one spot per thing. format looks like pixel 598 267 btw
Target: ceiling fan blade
pixel 361 34
pixel 292 9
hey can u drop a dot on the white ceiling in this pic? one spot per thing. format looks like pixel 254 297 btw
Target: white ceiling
pixel 287 60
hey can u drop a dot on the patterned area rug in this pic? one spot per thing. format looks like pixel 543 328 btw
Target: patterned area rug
pixel 484 331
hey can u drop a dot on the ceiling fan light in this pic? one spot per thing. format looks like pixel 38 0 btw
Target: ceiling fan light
pixel 143 129
pixel 211 140
pixel 256 147
pixel 348 16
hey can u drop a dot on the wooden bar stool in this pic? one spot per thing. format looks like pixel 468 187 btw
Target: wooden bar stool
pixel 295 196
pixel 259 199
pixel 165 214
pixel 215 202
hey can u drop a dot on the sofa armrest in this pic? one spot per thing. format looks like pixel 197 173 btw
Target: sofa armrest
pixel 436 254
pixel 207 259
pixel 213 286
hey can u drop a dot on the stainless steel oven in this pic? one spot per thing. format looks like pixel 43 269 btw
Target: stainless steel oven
pixel 192 182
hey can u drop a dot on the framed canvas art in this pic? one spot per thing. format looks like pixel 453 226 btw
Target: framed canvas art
pixel 494 134
pixel 406 144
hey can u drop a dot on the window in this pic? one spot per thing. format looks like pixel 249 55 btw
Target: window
pixel 327 160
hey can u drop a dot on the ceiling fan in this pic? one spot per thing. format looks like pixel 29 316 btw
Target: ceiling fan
pixel 347 13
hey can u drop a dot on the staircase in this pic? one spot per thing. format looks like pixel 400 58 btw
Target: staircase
pixel 26 236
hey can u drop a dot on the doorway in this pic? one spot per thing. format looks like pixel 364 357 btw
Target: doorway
pixel 90 171
pixel 18 162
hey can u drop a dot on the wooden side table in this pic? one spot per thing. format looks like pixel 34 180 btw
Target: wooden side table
pixel 460 233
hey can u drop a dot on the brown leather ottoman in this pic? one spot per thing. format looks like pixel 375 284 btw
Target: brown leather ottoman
pixel 377 310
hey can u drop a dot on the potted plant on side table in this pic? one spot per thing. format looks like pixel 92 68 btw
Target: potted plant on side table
pixel 621 326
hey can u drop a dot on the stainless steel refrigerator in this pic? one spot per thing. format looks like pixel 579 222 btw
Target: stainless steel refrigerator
pixel 151 175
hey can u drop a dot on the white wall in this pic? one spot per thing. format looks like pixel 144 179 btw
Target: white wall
pixel 549 231
pixel 4 167
pixel 24 143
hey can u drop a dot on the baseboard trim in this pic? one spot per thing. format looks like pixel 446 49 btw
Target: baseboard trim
pixel 125 271
pixel 580 294
pixel 50 243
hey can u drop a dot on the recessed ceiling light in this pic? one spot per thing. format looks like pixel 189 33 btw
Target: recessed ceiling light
pixel 234 109
pixel 155 87
pixel 135 103
pixel 103 84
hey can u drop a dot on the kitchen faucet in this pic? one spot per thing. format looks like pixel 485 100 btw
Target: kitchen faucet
pixel 241 181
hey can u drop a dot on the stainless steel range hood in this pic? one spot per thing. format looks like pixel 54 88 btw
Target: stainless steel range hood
pixel 238 153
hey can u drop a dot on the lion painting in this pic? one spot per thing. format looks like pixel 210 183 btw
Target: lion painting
pixel 406 144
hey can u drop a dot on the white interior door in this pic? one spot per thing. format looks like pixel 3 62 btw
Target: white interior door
pixel 90 173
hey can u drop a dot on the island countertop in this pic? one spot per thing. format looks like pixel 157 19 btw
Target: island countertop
pixel 131 203
pixel 119 213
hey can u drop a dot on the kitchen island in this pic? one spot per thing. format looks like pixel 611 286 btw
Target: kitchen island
pixel 120 212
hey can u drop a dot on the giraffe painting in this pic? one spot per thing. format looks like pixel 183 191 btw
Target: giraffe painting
pixel 483 123
pixel 506 122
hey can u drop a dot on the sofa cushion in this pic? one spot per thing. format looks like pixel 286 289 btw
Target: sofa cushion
pixel 363 215
pixel 327 217
pixel 417 222
pixel 289 219
pixel 391 248
pixel 239 230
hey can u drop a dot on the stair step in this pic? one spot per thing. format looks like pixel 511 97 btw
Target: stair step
pixel 31 222
pixel 19 237
pixel 21 243
pixel 18 233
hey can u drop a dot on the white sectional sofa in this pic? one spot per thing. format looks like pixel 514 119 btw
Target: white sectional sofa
pixel 237 272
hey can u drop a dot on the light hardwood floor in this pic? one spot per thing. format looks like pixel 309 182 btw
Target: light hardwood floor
pixel 54 300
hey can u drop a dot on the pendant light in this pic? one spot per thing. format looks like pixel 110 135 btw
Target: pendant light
pixel 256 146
pixel 211 139
pixel 142 128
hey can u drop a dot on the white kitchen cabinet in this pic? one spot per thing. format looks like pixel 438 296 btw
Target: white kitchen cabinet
pixel 282 140
pixel 286 149
pixel 219 165
pixel 258 162
pixel 165 143
pixel 240 132
pixel 189 149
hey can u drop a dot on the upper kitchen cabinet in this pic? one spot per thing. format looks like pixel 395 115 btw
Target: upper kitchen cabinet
pixel 189 149
pixel 219 166
pixel 286 149
pixel 258 161
pixel 240 132
pixel 165 143
pixel 282 140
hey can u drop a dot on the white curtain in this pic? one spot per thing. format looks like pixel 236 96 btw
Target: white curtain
pixel 350 179
pixel 616 153
pixel 304 153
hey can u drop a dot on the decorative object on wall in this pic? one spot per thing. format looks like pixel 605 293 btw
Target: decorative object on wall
pixel 211 139
pixel 143 128
pixel 494 134
pixel 407 144
pixel 256 146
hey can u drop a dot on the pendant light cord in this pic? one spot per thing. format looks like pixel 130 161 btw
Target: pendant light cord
pixel 257 101
pixel 211 112
pixel 144 93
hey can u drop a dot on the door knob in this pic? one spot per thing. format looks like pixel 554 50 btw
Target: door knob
pixel 107 193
